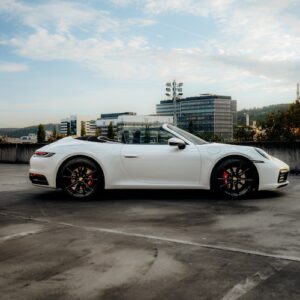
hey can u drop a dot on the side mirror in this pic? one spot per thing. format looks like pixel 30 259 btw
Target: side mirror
pixel 176 142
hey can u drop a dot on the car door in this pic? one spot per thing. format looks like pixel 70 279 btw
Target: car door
pixel 148 160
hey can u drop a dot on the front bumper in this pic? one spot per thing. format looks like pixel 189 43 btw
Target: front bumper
pixel 273 174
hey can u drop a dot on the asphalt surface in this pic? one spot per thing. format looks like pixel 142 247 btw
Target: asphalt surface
pixel 147 244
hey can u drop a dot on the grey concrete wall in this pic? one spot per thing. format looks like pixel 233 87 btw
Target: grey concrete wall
pixel 17 153
pixel 288 152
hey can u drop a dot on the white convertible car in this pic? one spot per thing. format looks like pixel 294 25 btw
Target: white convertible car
pixel 157 157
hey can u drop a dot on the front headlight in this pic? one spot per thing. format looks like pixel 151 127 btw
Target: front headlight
pixel 263 153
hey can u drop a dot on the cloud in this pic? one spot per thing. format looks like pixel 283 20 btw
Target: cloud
pixel 62 16
pixel 251 43
pixel 256 38
pixel 43 45
pixel 177 6
pixel 195 7
pixel 124 2
pixel 9 67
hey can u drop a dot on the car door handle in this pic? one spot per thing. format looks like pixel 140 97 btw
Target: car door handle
pixel 131 156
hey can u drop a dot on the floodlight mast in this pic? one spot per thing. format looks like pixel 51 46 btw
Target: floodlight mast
pixel 174 90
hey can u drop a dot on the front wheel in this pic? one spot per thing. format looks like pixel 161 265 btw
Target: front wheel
pixel 234 178
pixel 80 178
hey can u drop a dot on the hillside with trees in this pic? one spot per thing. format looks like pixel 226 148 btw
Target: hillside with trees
pixel 258 114
pixel 279 125
pixel 18 132
pixel 282 125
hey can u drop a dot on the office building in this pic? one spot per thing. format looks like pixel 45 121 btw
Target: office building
pixel 212 114
pixel 125 124
pixel 105 119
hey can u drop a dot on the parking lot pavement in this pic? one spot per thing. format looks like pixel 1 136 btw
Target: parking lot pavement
pixel 147 244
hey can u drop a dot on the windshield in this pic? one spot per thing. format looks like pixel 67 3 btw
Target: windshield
pixel 190 137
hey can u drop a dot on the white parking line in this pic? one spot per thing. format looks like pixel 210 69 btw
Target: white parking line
pixel 245 286
pixel 18 235
pixel 184 242
pixel 160 238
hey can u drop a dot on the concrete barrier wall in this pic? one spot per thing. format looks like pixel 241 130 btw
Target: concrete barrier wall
pixel 288 152
pixel 17 153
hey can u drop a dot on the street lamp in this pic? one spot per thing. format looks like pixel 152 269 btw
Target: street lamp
pixel 174 91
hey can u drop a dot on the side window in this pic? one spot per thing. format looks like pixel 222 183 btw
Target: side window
pixel 163 136
pixel 152 135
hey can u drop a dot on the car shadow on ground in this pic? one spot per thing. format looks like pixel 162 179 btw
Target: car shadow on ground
pixel 153 195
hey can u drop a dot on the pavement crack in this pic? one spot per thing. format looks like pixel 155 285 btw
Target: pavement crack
pixel 40 209
pixel 155 252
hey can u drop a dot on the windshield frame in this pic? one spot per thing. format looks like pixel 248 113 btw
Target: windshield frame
pixel 184 135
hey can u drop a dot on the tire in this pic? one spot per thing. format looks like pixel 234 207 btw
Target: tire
pixel 234 178
pixel 81 178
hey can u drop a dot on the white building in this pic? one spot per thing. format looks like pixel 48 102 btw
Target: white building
pixel 129 122
pixel 90 127
pixel 74 124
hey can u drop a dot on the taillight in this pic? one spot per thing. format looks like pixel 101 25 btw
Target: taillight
pixel 43 153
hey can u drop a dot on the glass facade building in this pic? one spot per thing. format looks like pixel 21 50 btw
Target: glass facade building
pixel 133 129
pixel 213 114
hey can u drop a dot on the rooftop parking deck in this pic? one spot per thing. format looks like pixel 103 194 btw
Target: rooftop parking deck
pixel 147 244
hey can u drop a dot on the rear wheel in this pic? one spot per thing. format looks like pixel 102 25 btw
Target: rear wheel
pixel 235 178
pixel 80 178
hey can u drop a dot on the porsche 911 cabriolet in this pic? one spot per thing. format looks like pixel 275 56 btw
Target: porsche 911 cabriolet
pixel 154 157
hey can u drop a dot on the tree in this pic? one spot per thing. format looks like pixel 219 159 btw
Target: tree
pixel 293 117
pixel 3 139
pixel 210 137
pixel 276 128
pixel 191 127
pixel 244 133
pixel 68 129
pixel 98 131
pixel 282 125
pixel 41 134
pixel 110 131
pixel 54 132
pixel 82 132
pixel 147 135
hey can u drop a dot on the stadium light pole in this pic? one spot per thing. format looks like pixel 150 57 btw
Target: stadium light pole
pixel 174 91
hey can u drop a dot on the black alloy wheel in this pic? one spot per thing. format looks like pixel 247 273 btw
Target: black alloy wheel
pixel 235 178
pixel 80 178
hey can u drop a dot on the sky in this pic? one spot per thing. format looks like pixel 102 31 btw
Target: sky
pixel 59 58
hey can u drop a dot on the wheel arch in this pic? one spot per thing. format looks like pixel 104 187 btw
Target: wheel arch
pixel 58 183
pixel 220 161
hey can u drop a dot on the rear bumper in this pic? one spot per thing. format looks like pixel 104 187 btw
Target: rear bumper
pixel 43 170
pixel 38 179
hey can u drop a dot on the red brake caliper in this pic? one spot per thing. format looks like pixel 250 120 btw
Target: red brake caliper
pixel 225 176
pixel 91 181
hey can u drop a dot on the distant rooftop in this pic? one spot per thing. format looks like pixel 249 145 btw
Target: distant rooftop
pixel 200 97
pixel 115 115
